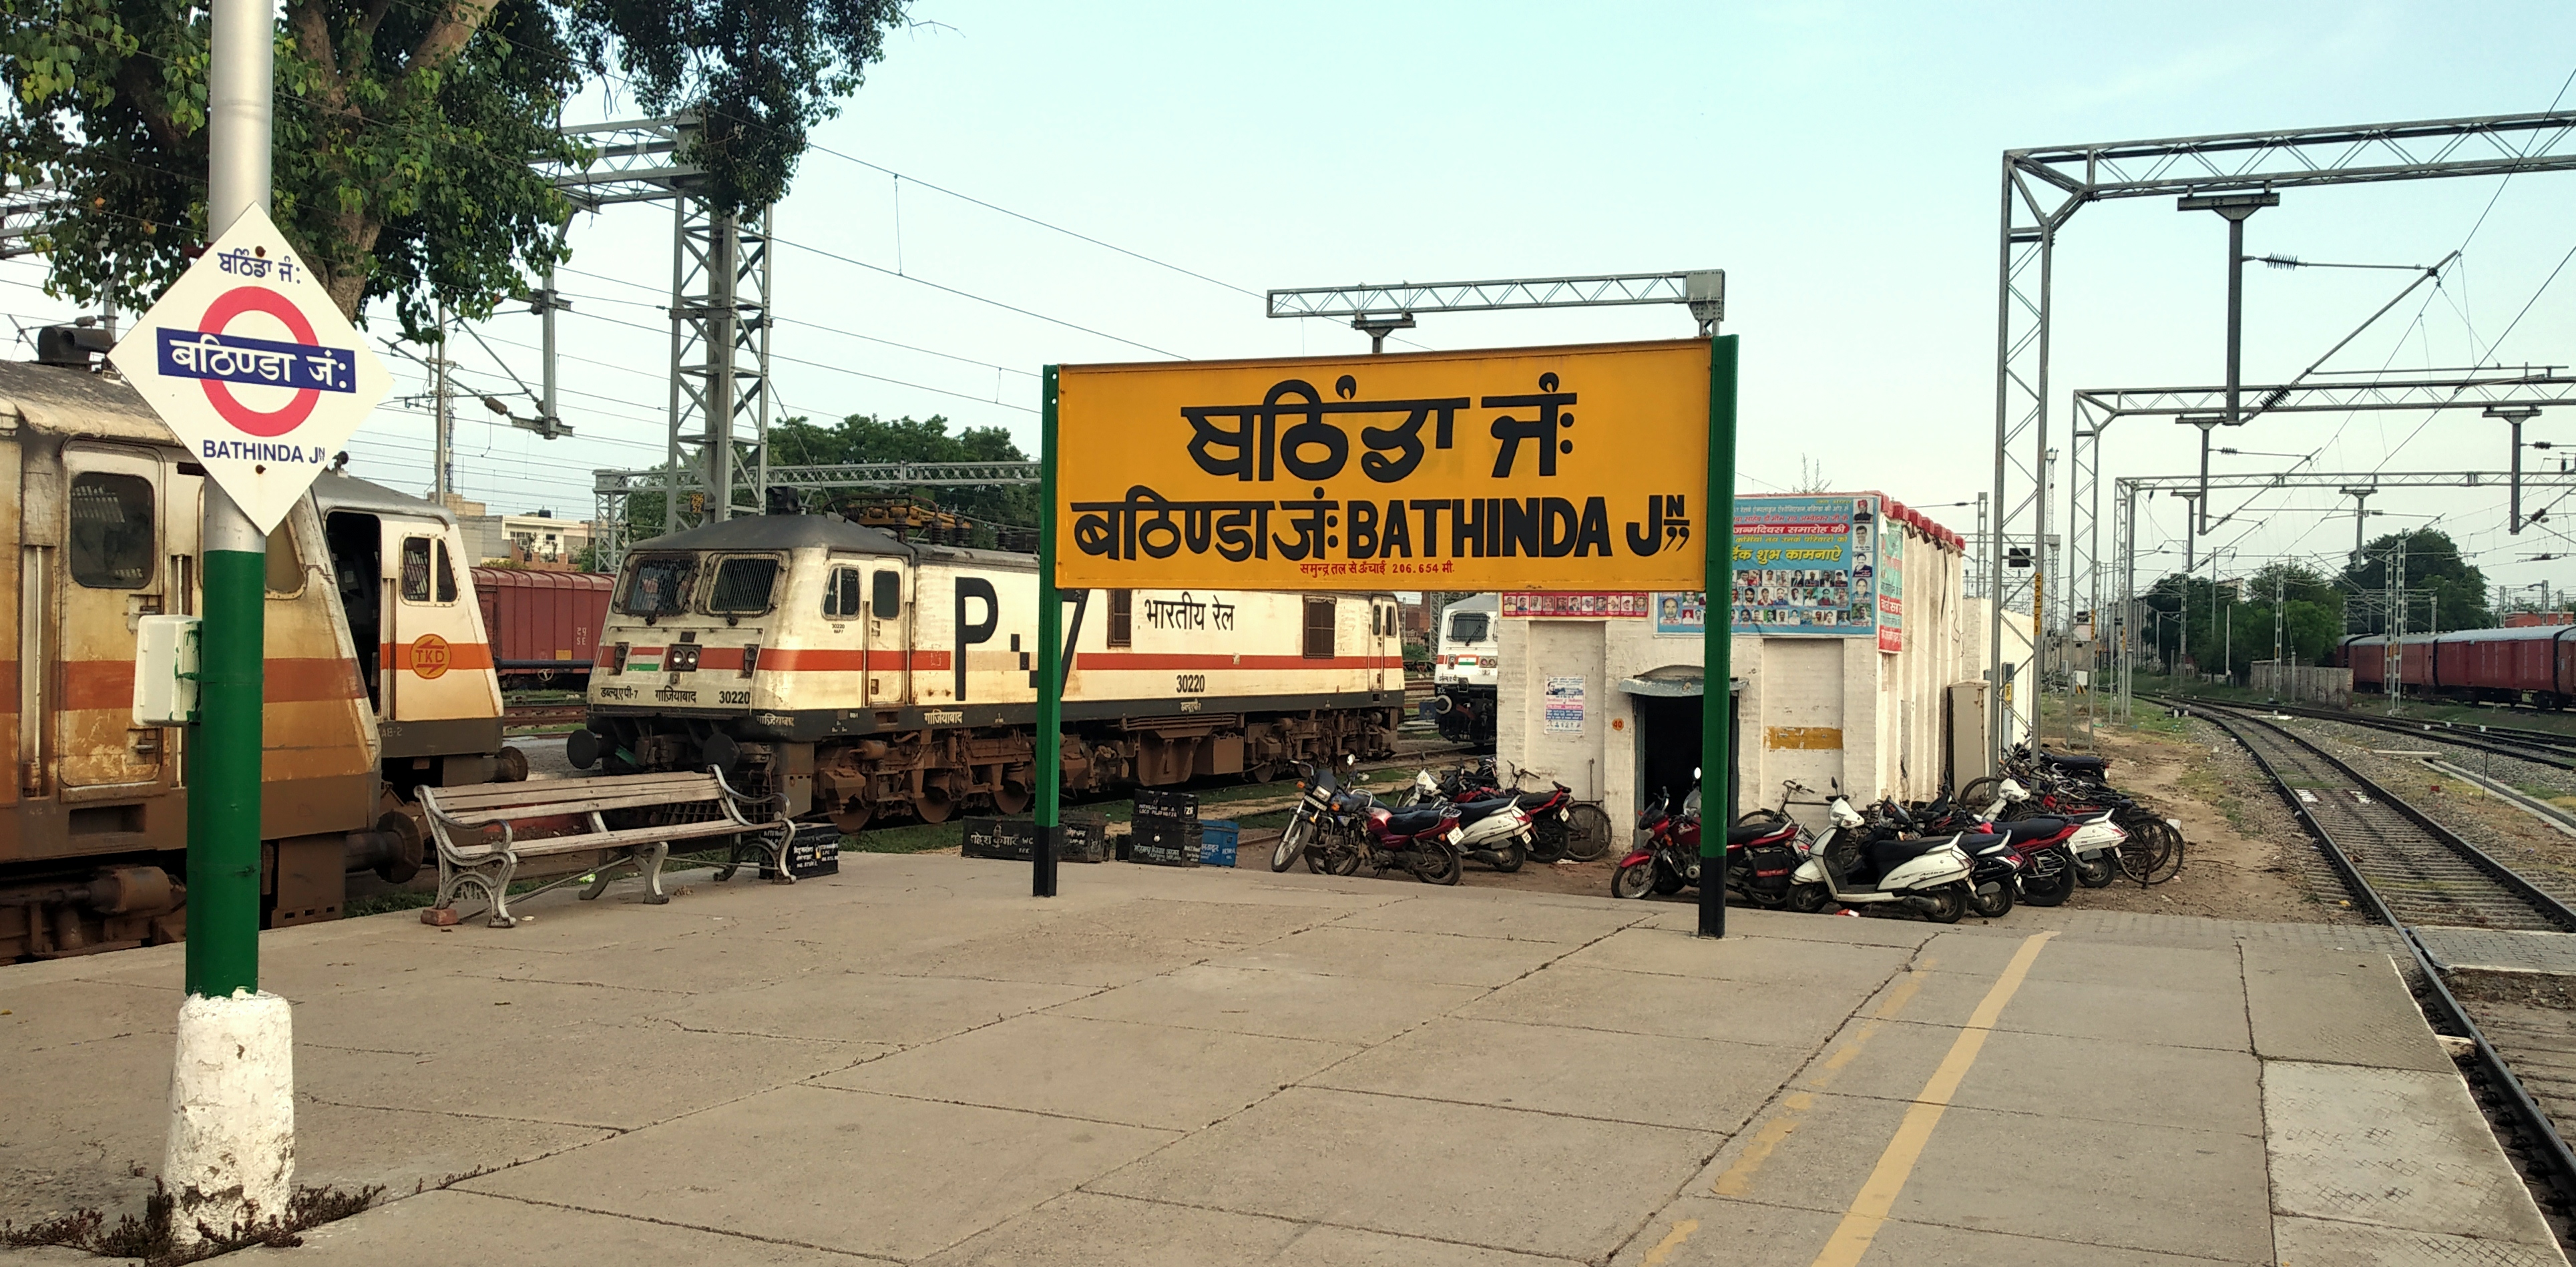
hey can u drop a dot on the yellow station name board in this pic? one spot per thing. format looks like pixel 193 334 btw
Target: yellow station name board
pixel 1566 468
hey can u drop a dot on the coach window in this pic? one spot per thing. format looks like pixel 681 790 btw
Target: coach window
pixel 285 572
pixel 841 596
pixel 1319 629
pixel 743 585
pixel 1122 618
pixel 415 570
pixel 446 574
pixel 888 595
pixel 111 545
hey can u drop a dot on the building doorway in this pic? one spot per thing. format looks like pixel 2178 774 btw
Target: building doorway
pixel 1668 748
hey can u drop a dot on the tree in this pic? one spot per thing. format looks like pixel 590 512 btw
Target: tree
pixel 404 127
pixel 868 438
pixel 2443 592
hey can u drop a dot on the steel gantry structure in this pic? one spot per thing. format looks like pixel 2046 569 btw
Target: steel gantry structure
pixel 2043 187
pixel 2498 391
pixel 717 451
pixel 1376 310
pixel 2128 490
pixel 614 488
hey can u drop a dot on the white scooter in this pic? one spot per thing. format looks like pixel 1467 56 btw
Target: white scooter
pixel 2095 844
pixel 1494 831
pixel 1859 867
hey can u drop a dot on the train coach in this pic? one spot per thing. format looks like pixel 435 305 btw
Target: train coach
pixel 865 677
pixel 2534 665
pixel 544 625
pixel 377 676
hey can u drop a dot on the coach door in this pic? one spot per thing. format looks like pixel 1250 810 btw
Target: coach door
pixel 889 634
pixel 114 571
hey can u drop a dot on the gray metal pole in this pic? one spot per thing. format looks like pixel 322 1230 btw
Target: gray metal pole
pixel 724 239
pixel 2235 353
pixel 442 480
pixel 1995 703
pixel 547 302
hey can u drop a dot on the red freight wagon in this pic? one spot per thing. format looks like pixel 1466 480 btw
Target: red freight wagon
pixel 2500 664
pixel 544 626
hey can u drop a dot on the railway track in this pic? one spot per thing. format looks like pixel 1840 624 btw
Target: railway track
pixel 2418 876
pixel 2538 746
pixel 521 716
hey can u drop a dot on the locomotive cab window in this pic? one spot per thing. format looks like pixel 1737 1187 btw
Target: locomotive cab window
pixel 1319 629
pixel 426 569
pixel 1467 627
pixel 889 594
pixel 111 544
pixel 743 585
pixel 841 595
pixel 657 585
pixel 1122 618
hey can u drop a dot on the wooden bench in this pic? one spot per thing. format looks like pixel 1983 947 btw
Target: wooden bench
pixel 476 829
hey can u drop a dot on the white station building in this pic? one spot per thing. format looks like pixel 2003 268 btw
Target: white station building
pixel 1858 660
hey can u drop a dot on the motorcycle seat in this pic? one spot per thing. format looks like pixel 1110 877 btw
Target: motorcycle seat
pixel 1760 833
pixel 1530 801
pixel 1413 821
pixel 2032 829
pixel 1477 811
pixel 1887 855
pixel 2075 761
pixel 1977 842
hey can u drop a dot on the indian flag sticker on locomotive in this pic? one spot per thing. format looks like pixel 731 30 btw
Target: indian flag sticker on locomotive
pixel 1567 468
pixel 251 364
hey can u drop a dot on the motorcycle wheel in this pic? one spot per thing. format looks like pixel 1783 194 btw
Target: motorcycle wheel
pixel 1634 881
pixel 2097 871
pixel 1994 905
pixel 1978 794
pixel 1587 834
pixel 1436 862
pixel 1807 899
pixel 1760 817
pixel 1949 902
pixel 2051 890
pixel 1292 842
pixel 1511 855
pixel 1547 840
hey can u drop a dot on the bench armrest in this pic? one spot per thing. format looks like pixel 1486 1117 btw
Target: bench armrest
pixel 735 800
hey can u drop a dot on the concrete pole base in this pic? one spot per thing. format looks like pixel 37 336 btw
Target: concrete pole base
pixel 232 1113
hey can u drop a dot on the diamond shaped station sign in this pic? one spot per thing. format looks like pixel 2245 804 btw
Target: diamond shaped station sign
pixel 249 361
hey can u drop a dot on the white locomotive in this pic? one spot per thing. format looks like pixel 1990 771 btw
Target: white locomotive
pixel 1466 669
pixel 864 676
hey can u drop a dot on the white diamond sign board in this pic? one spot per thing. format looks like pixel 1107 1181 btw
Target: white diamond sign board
pixel 253 366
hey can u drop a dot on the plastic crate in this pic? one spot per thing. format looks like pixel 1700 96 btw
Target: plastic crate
pixel 1217 837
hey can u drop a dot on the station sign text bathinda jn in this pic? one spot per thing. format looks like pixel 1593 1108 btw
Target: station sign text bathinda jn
pixel 1532 469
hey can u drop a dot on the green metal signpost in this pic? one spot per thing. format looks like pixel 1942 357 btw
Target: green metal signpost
pixel 1049 740
pixel 1716 699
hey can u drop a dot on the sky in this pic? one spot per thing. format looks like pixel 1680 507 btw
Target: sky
pixel 1839 161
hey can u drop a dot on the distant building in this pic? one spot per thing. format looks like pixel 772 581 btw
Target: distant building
pixel 536 540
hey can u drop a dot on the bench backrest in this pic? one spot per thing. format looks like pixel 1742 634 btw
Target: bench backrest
pixel 502 802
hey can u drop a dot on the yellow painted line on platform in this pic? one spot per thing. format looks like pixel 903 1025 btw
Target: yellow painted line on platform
pixel 1737 1178
pixel 1672 1241
pixel 1868 1212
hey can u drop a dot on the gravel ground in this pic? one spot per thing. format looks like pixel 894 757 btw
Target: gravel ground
pixel 2537 850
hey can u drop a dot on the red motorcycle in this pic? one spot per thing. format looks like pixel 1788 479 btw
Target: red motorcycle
pixel 1760 859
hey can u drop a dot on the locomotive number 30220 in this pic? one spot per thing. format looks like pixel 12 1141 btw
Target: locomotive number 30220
pixel 1191 683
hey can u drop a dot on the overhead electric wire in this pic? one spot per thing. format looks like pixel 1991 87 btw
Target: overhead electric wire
pixel 776 240
pixel 837 369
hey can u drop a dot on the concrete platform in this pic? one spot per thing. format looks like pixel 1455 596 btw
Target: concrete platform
pixel 913 1062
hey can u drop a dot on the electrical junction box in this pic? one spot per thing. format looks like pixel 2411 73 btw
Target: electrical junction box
pixel 165 671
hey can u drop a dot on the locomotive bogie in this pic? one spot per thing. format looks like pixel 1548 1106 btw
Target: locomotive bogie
pixel 863 677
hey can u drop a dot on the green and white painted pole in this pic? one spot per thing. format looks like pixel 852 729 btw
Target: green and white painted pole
pixel 1048 743
pixel 232 1091
pixel 1717 626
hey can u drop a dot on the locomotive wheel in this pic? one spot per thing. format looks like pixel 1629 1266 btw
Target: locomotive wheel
pixel 934 805
pixel 852 815
pixel 511 766
pixel 1011 797
pixel 1265 772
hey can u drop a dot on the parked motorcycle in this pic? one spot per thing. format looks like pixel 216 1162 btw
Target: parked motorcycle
pixel 1870 862
pixel 1497 832
pixel 1341 830
pixel 1760 859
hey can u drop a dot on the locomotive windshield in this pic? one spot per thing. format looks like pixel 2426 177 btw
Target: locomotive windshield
pixel 1467 627
pixel 743 586
pixel 657 584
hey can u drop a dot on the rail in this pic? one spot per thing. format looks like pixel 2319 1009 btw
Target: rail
pixel 2540 746
pixel 2518 1102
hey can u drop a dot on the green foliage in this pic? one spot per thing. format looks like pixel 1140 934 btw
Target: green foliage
pixel 404 129
pixel 868 438
pixel 2444 591
pixel 2232 626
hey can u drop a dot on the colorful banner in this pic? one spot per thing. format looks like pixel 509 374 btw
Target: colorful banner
pixel 1891 598
pixel 1585 606
pixel 1680 614
pixel 1806 565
